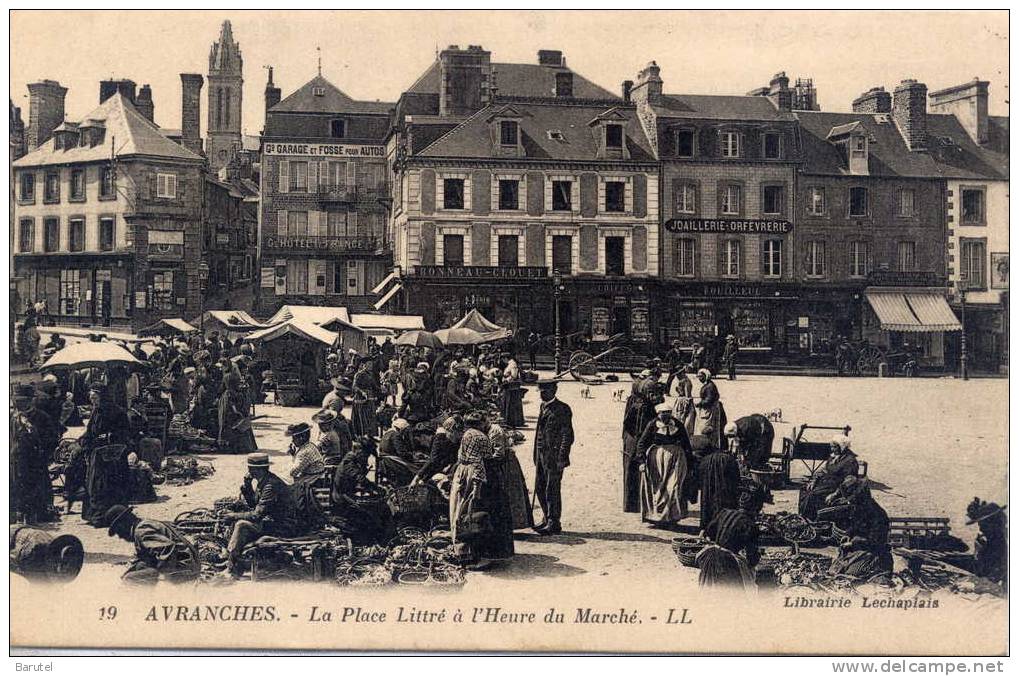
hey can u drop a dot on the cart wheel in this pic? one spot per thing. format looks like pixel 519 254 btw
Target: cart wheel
pixel 583 366
pixel 869 359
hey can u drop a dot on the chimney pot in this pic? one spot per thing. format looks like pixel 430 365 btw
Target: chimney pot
pixel 874 100
pixel 550 57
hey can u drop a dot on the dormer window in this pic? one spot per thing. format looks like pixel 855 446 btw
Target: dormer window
pixel 318 91
pixel 509 133
pixel 772 146
pixel 731 146
pixel 614 136
pixel 859 146
pixel 685 143
pixel 556 135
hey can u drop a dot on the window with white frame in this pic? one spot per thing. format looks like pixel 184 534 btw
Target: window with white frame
pixel 972 206
pixel 973 264
pixel 683 264
pixel 859 253
pixel 297 275
pixel 732 196
pixel 76 234
pixel 297 224
pixel 730 144
pixel 772 256
pixel 107 233
pixel 772 199
pixel 815 259
pixel 816 203
pixel 162 290
pixel 731 258
pixel 166 186
pixel 686 198
pixel 907 256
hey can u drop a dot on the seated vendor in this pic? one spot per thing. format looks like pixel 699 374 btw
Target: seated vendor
pixel 160 550
pixel 864 552
pixel 308 462
pixel 334 440
pixel 841 463
pixel 733 553
pixel 265 508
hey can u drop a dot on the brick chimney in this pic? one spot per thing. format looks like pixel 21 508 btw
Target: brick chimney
pixel 551 57
pixel 648 88
pixel 272 93
pixel 627 89
pixel 874 100
pixel 108 88
pixel 45 111
pixel 191 111
pixel 464 80
pixel 779 92
pixel 909 110
pixel 144 103
pixel 968 102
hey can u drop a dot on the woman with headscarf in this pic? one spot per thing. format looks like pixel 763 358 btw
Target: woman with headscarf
pixel 719 474
pixel 710 413
pixel 512 401
pixel 235 435
pixel 732 553
pixel 864 552
pixel 513 483
pixel 663 448
pixel 841 463
pixel 498 542
pixel 466 500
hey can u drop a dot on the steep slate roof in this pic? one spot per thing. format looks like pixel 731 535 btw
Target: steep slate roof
pixel 711 107
pixel 473 138
pixel 520 79
pixel 889 155
pixel 334 101
pixel 134 135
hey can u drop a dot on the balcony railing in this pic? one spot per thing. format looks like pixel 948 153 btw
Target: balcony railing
pixel 322 243
pixel 345 193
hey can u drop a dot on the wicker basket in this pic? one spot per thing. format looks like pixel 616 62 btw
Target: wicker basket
pixel 687 548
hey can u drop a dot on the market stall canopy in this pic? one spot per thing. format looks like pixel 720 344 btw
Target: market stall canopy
pixel 168 327
pixel 312 314
pixel 476 321
pixel 300 329
pixel 394 322
pixel 912 311
pixel 463 336
pixel 419 338
pixel 234 321
pixel 88 355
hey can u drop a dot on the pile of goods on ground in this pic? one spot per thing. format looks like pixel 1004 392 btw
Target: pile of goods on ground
pixel 184 470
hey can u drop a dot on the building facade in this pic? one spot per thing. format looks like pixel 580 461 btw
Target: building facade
pixel 973 153
pixel 325 199
pixel 505 174
pixel 109 236
pixel 728 200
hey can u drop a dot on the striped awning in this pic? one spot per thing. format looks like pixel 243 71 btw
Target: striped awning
pixel 912 312
pixel 381 302
pixel 933 312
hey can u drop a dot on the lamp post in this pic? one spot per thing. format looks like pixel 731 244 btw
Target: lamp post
pixel 964 356
pixel 557 282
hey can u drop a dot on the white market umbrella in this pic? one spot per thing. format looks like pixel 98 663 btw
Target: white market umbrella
pixel 89 355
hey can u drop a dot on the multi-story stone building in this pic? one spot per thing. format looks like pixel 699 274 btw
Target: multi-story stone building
pixel 108 217
pixel 324 199
pixel 728 199
pixel 505 173
pixel 973 156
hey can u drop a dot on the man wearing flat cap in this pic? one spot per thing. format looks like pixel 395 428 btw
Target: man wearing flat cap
pixel 266 507
pixel 160 550
pixel 553 439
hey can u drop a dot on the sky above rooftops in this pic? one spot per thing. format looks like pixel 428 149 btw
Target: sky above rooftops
pixel 377 55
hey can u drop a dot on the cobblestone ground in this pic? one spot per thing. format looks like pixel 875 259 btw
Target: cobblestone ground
pixel 931 446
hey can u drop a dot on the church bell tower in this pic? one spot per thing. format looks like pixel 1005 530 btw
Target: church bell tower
pixel 225 90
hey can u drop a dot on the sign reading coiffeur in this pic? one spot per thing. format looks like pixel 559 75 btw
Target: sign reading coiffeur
pixel 323 150
pixel 751 226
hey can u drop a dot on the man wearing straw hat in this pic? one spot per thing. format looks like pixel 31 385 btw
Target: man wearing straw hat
pixel 265 508
pixel 160 550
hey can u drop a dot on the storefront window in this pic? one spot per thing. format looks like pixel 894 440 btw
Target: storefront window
pixel 696 322
pixel 750 325
pixel 70 291
pixel 162 290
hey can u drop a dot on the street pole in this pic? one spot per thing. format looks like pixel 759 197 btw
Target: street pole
pixel 557 283
pixel 964 357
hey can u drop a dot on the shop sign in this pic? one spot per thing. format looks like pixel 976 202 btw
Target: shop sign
pixel 600 323
pixel 323 150
pixel 480 272
pixel 751 226
pixel 268 278
pixel 321 243
pixel 640 326
pixel 607 288
pixel 898 278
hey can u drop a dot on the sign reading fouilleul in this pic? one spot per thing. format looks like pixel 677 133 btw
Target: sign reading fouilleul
pixel 323 150
pixel 750 226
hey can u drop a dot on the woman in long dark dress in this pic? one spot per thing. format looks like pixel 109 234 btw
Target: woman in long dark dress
pixel 514 485
pixel 865 552
pixel 663 448
pixel 363 422
pixel 512 402
pixel 719 473
pixel 640 410
pixel 235 434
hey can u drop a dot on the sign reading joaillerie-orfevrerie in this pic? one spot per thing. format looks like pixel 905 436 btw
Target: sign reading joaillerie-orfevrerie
pixel 323 150
pixel 750 226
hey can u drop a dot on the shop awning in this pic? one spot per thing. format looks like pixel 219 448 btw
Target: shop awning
pixel 933 312
pixel 381 285
pixel 381 302
pixel 912 312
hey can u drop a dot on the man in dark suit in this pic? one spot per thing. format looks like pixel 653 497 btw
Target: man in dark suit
pixel 552 442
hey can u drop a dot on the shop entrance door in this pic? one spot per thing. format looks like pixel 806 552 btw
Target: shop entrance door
pixel 621 320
